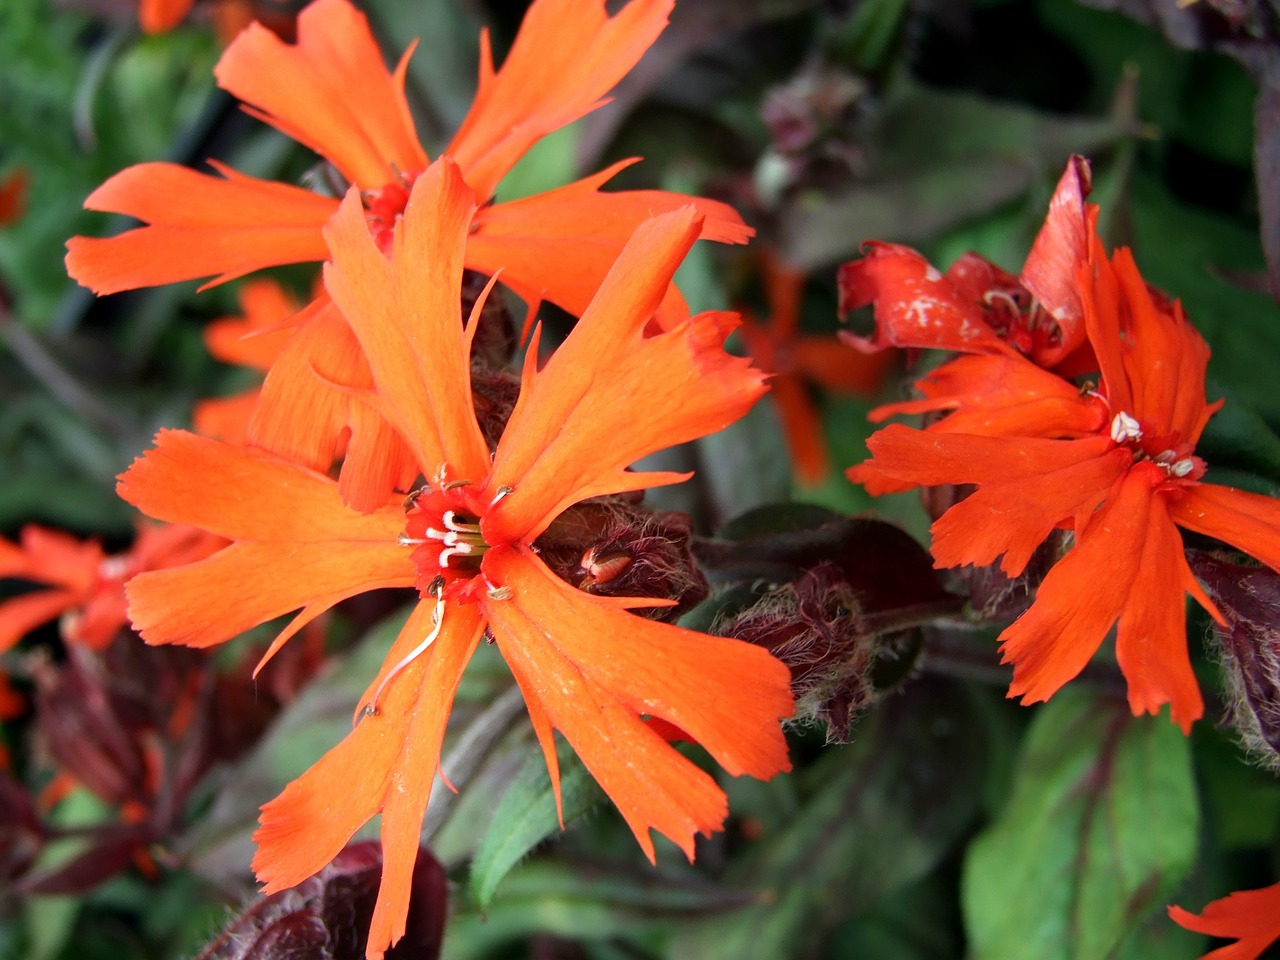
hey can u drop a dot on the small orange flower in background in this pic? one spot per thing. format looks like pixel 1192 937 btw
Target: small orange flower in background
pixel 13 195
pixel 332 93
pixel 1251 917
pixel 1123 486
pixel 87 583
pixel 253 340
pixel 797 360
pixel 467 543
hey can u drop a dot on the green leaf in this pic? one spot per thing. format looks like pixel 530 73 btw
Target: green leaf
pixel 1238 438
pixel 1100 828
pixel 880 814
pixel 526 816
pixel 585 902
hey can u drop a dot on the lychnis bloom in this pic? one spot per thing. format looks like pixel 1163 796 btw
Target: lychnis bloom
pixel 1251 917
pixel 85 584
pixel 467 542
pixel 976 307
pixel 253 340
pixel 799 361
pixel 1115 465
pixel 332 92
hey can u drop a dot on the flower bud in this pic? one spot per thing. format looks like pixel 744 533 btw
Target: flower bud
pixel 814 625
pixel 1249 599
pixel 327 916
pixel 615 547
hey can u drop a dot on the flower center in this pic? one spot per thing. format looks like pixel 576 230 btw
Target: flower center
pixel 383 207
pixel 1020 320
pixel 1176 459
pixel 443 526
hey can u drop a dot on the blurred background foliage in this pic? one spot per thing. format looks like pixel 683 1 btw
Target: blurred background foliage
pixel 955 823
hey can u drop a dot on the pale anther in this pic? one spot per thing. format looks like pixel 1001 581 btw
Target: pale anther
pixel 1125 427
pixel 1182 468
pixel 503 492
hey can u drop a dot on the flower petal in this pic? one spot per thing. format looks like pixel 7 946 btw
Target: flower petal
pixel 414 769
pixel 406 313
pixel 1248 521
pixel 609 395
pixel 596 668
pixel 200 226
pixel 246 495
pixel 915 305
pixel 1014 518
pixel 927 458
pixel 299 546
pixel 20 615
pixel 256 338
pixel 305 827
pixel 338 98
pixel 1252 917
pixel 160 16
pixel 1132 539
pixel 801 428
pixel 566 56
pixel 1164 357
pixel 1060 247
pixel 1003 396
pixel 558 245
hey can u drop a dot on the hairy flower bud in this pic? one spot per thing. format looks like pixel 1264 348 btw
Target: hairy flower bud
pixel 615 547
pixel 814 625
pixel 326 917
pixel 1249 599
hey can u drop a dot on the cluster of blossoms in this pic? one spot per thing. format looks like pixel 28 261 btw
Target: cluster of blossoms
pixel 389 447
pixel 382 372
pixel 1075 407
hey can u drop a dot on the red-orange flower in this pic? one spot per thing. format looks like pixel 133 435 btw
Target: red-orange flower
pixel 332 93
pixel 975 307
pixel 1123 486
pixel 1251 917
pixel 797 359
pixel 87 583
pixel 468 545
pixel 253 340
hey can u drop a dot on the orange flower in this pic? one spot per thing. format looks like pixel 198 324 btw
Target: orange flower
pixel 467 544
pixel 88 584
pixel 1251 917
pixel 975 307
pixel 796 359
pixel 1123 486
pixel 255 341
pixel 332 93
pixel 13 195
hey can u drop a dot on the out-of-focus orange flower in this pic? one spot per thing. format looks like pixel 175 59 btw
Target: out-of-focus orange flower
pixel 228 17
pixel 87 583
pixel 13 195
pixel 1250 917
pixel 1116 466
pixel 797 359
pixel 253 340
pixel 12 703
pixel 332 93
pixel 466 542
pixel 975 307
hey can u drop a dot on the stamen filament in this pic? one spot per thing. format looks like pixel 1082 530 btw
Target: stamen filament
pixel 437 618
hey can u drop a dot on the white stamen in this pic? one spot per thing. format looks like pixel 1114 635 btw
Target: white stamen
pixel 1125 427
pixel 1182 467
pixel 504 491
